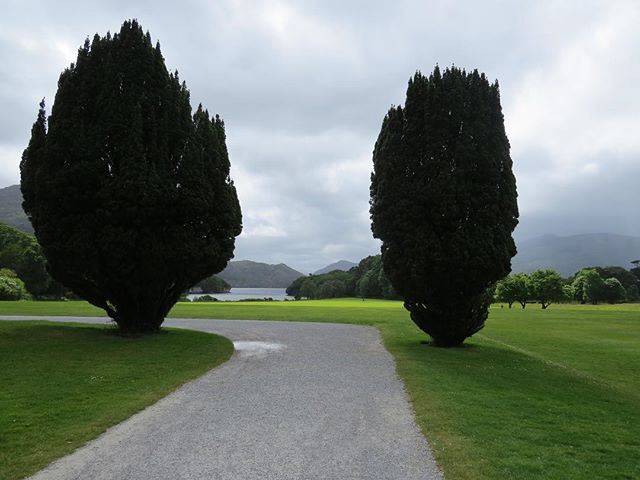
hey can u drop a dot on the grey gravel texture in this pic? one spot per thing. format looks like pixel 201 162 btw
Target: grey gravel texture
pixel 311 401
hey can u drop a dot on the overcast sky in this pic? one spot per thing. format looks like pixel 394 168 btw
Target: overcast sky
pixel 303 87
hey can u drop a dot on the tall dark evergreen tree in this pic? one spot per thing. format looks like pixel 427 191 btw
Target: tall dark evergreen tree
pixel 444 202
pixel 129 193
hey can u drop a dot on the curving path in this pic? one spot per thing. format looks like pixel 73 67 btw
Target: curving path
pixel 296 401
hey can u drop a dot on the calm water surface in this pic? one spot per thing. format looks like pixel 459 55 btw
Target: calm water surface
pixel 241 293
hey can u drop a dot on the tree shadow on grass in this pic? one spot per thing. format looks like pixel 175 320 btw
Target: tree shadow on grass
pixel 32 329
pixel 431 344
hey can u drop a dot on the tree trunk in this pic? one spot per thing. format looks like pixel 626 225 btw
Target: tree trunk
pixel 444 326
pixel 136 322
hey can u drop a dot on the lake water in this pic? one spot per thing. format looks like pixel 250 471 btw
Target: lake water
pixel 241 293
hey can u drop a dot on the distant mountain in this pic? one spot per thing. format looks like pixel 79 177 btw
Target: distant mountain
pixel 343 265
pixel 11 212
pixel 569 254
pixel 245 273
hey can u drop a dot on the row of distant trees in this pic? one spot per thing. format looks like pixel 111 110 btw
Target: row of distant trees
pixel 589 285
pixel 544 286
pixel 23 274
pixel 366 280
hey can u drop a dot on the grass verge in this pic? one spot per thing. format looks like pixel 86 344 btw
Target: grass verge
pixel 536 395
pixel 63 384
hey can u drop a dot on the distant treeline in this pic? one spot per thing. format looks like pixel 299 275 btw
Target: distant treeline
pixel 23 274
pixel 211 284
pixel 366 280
pixel 589 285
pixel 612 284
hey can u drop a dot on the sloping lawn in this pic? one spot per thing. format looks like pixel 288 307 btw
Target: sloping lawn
pixel 63 384
pixel 535 395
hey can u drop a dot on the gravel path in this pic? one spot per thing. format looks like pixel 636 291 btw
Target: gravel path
pixel 296 401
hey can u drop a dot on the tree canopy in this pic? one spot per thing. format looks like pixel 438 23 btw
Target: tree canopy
pixel 21 253
pixel 614 291
pixel 11 287
pixel 513 288
pixel 609 284
pixel 443 201
pixel 626 278
pixel 588 286
pixel 366 280
pixel 129 192
pixel 546 286
pixel 212 284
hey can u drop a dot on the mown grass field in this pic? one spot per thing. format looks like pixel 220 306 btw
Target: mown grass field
pixel 536 395
pixel 63 384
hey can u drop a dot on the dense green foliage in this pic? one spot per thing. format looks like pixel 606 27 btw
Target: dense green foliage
pixel 588 286
pixel 326 285
pixel 201 298
pixel 212 284
pixel 544 286
pixel 63 384
pixel 633 293
pixel 614 292
pixel 129 193
pixel 513 288
pixel 366 280
pixel 443 201
pixel 371 281
pixel 626 278
pixel 21 253
pixel 547 286
pixel 616 277
pixel 636 268
pixel 11 287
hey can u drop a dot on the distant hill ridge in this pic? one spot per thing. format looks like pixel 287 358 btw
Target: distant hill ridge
pixel 568 254
pixel 245 273
pixel 344 265
pixel 11 212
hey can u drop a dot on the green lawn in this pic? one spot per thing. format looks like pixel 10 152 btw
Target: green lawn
pixel 536 395
pixel 63 384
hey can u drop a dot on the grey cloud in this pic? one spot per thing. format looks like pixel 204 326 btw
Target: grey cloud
pixel 603 200
pixel 303 87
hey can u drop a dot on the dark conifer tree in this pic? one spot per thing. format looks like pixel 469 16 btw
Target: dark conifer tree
pixel 128 193
pixel 444 202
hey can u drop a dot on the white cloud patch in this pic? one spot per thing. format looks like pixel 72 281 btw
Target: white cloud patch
pixel 9 168
pixel 581 102
pixel 303 87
